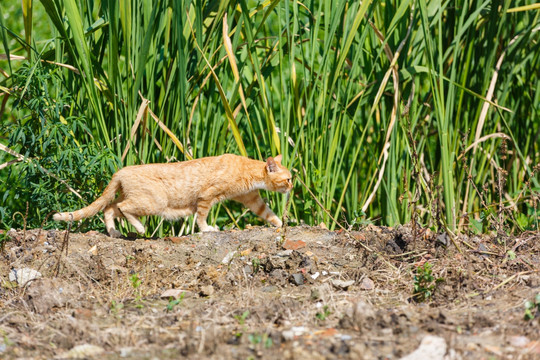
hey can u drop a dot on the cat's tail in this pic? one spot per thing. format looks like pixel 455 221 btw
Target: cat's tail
pixel 105 199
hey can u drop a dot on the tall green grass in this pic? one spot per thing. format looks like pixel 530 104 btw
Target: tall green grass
pixel 389 112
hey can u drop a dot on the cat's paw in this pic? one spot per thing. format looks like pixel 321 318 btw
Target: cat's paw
pixel 114 233
pixel 276 222
pixel 209 228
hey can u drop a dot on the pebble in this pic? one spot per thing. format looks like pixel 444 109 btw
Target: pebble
pixel 342 284
pixel 227 259
pixel 248 269
pixel 126 351
pixel 284 253
pixel 431 347
pixel 316 275
pixel 443 239
pixel 294 332
pixel 207 290
pixel 84 351
pixel 519 341
pixel 23 276
pixel 294 245
pixel 367 284
pixel 297 279
pixel 93 250
pixel 174 293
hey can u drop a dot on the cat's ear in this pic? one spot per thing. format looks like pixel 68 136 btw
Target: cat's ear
pixel 278 159
pixel 271 165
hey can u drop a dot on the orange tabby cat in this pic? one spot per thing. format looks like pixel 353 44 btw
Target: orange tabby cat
pixel 176 190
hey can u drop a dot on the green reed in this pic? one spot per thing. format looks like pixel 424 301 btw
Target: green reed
pixel 388 111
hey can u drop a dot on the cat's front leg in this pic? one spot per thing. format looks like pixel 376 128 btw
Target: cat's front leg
pixel 274 220
pixel 256 204
pixel 208 228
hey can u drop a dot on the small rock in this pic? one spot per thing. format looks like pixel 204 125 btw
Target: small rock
pixel 278 274
pixel 84 351
pixel 23 276
pixel 316 275
pixel 175 239
pixel 294 245
pixel 483 248
pixel 228 258
pixel 93 250
pixel 519 341
pixel 431 347
pixel 126 352
pixel 207 290
pixel 297 279
pixel 174 293
pixel 269 289
pixel 342 284
pixel 294 332
pixel 284 253
pixel 245 252
pixel 248 269
pixel 327 332
pixel 81 313
pixel 367 284
pixel 443 239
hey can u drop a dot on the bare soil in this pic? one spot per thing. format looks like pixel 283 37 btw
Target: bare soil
pixel 298 293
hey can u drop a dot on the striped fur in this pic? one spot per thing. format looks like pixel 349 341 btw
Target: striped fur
pixel 181 189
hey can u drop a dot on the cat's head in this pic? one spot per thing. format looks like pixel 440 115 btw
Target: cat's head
pixel 278 177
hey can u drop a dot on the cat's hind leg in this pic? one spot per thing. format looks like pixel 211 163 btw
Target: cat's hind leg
pixel 110 213
pixel 134 220
pixel 131 212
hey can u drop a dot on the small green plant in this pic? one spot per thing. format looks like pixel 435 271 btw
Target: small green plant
pixel 324 314
pixel 136 284
pixel 256 339
pixel 424 283
pixel 116 307
pixel 242 318
pixel 532 308
pixel 256 264
pixel 4 238
pixel 173 302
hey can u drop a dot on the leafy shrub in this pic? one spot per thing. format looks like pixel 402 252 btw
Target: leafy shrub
pixel 58 153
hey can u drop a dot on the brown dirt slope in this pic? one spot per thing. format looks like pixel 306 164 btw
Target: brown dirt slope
pixel 307 293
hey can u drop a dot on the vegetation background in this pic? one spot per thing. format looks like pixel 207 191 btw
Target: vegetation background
pixel 389 111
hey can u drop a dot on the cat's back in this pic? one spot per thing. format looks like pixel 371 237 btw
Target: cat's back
pixel 208 167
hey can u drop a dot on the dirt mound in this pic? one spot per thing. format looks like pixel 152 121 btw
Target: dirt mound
pixel 303 293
